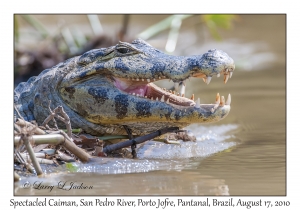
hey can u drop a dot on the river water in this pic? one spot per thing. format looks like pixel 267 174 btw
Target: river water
pixel 244 154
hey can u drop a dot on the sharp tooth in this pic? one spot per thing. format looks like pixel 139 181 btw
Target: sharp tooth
pixel 230 74
pixel 154 79
pixel 176 86
pixel 208 80
pixel 146 96
pixel 222 101
pixel 198 103
pixel 181 89
pixel 168 101
pixel 148 80
pixel 133 94
pixel 228 100
pixel 184 110
pixel 184 82
pixel 193 97
pixel 182 95
pixel 218 75
pixel 137 79
pixel 159 77
pixel 174 92
pixel 204 79
pixel 162 99
pixel 212 110
pixel 156 98
pixel 137 95
pixel 217 101
pixel 142 79
pixel 226 77
pixel 151 98
pixel 218 98
pixel 177 94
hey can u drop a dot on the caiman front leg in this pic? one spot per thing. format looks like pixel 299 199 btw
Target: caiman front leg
pixel 172 138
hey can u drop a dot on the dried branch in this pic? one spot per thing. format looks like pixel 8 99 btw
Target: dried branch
pixel 54 139
pixel 65 157
pixel 65 118
pixel 42 160
pixel 53 119
pixel 78 152
pixel 16 177
pixel 18 112
pixel 23 123
pixel 36 165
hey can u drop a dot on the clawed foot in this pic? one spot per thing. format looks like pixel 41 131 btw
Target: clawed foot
pixel 172 138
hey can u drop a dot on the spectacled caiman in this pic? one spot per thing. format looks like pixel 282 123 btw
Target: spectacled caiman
pixel 105 89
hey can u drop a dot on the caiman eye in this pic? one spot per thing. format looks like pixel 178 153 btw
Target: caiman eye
pixel 123 50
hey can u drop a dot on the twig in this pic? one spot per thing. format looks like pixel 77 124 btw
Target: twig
pixel 53 119
pixel 50 117
pixel 19 157
pixel 16 177
pixel 54 139
pixel 64 119
pixel 17 128
pixel 39 159
pixel 23 123
pixel 18 112
pixel 30 151
pixel 64 157
pixel 60 138
pixel 73 148
pixel 57 139
pixel 78 152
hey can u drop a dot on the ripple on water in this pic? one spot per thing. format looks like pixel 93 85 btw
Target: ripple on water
pixel 159 156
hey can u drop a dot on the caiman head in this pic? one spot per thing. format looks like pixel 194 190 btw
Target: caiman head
pixel 114 86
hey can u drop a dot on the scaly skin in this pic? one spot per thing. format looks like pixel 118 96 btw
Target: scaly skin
pixel 98 90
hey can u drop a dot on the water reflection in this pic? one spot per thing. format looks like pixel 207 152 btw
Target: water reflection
pixel 162 183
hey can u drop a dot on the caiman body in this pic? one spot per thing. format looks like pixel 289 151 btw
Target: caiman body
pixel 104 89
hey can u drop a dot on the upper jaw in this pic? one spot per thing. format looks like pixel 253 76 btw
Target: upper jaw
pixel 179 68
pixel 212 63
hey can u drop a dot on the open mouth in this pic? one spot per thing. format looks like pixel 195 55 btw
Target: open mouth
pixel 144 88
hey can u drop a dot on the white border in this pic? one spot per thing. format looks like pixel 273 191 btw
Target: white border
pixel 8 8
